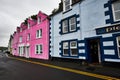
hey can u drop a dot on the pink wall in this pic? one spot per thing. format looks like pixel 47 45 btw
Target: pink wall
pixel 44 40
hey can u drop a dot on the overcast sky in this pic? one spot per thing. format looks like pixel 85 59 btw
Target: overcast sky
pixel 13 12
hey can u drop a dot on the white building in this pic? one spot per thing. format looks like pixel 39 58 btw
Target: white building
pixel 87 30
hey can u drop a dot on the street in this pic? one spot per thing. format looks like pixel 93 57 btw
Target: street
pixel 11 69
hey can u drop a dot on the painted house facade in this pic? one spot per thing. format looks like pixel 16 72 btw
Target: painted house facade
pixel 31 39
pixel 87 30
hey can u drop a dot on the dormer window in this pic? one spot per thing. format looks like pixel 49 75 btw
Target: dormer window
pixel 28 25
pixel 20 29
pixel 39 20
pixel 66 5
pixel 116 10
pixel 20 39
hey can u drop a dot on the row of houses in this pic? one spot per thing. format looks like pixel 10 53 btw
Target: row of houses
pixel 79 29
pixel 31 39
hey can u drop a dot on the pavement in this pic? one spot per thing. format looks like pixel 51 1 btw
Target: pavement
pixel 107 70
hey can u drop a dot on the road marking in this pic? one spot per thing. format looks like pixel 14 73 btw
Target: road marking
pixel 69 70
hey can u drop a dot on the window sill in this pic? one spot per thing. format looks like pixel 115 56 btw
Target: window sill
pixel 38 37
pixel 67 11
pixel 69 32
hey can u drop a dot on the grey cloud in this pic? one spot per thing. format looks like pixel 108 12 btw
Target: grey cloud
pixel 13 12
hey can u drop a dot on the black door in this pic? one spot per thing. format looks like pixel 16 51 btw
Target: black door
pixel 94 50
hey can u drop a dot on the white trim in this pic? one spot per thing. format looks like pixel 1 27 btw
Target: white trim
pixel 108 43
pixel 82 57
pixel 109 52
pixel 81 50
pixel 112 60
pixel 81 44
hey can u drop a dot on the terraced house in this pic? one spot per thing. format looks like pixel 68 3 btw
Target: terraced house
pixel 31 39
pixel 86 29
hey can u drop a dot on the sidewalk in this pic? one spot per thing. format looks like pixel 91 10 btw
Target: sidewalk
pixel 97 69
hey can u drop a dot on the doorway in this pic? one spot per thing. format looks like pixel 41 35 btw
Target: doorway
pixel 94 50
pixel 27 51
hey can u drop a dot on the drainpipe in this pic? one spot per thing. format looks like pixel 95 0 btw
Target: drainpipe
pixel 80 20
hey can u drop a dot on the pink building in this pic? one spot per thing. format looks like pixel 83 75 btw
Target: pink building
pixel 31 40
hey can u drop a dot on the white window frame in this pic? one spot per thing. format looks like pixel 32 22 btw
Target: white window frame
pixel 75 47
pixel 71 24
pixel 39 33
pixel 28 37
pixel 118 46
pixel 40 50
pixel 64 43
pixel 115 11
pixel 64 5
pixel 64 25
pixel 20 39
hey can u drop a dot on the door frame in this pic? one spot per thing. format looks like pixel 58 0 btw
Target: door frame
pixel 27 51
pixel 88 57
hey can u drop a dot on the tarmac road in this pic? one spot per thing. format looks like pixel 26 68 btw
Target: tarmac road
pixel 17 70
pixel 13 69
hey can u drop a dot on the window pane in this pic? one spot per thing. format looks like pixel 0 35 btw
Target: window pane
pixel 117 5
pixel 74 52
pixel 117 15
pixel 65 48
pixel 73 44
pixel 37 49
pixel 67 5
pixel 118 39
pixel 119 51
pixel 65 52
pixel 72 23
pixel 40 48
pixel 65 45
pixel 37 33
pixel 73 48
pixel 65 26
pixel 40 32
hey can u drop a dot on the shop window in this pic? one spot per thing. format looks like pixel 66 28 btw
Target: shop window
pixel 116 10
